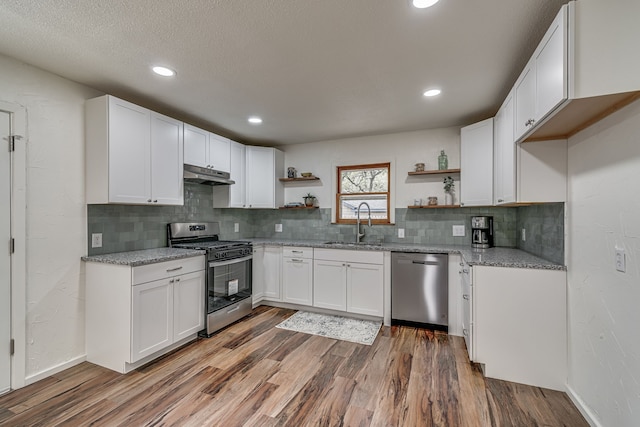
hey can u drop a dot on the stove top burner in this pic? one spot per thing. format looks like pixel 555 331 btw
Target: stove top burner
pixel 212 245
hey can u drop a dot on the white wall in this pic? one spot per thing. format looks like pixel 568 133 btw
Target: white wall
pixel 404 149
pixel 603 213
pixel 56 214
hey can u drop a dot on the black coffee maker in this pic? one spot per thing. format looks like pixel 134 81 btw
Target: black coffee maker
pixel 482 232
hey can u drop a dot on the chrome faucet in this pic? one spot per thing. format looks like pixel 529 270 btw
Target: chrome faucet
pixel 360 235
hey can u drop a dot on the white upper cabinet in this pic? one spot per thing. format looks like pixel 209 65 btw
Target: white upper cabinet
pixel 476 164
pixel 543 84
pixel 238 164
pixel 504 149
pixel 219 154
pixel 166 160
pixel 234 195
pixel 196 146
pixel 133 155
pixel 264 168
pixel 206 149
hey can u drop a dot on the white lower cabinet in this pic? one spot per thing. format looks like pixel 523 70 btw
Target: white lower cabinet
pixel 267 273
pixel 152 318
pixel 518 324
pixel 297 275
pixel 364 289
pixel 135 314
pixel 330 284
pixel 351 281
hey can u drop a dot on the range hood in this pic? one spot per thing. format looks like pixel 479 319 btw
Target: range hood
pixel 206 176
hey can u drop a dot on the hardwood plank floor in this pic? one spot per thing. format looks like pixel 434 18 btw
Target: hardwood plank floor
pixel 252 374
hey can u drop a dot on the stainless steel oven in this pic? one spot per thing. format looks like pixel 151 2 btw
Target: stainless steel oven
pixel 228 275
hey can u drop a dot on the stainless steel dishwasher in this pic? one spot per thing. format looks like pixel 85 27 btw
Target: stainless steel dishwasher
pixel 420 289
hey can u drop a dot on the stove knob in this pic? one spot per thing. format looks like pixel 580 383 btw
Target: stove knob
pixel 216 255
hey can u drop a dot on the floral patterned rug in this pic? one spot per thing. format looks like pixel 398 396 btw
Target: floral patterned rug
pixel 336 327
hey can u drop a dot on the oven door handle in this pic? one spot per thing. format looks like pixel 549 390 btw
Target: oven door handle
pixel 231 261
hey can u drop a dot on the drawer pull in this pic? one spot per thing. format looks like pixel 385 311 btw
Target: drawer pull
pixel 169 270
pixel 297 252
pixel 296 260
pixel 465 271
pixel 465 296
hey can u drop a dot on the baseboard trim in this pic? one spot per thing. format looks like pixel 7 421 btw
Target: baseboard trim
pixel 583 408
pixel 55 369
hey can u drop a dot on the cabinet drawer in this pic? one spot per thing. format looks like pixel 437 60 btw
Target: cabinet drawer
pixel 161 270
pixel 297 252
pixel 363 256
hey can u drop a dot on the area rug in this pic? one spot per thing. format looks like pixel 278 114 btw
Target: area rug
pixel 336 327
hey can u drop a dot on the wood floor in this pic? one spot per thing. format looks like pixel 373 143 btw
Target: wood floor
pixel 253 374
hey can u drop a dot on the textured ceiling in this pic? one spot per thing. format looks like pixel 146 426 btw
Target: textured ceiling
pixel 313 69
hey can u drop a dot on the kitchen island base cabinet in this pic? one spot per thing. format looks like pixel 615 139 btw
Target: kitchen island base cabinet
pixel 519 325
pixel 136 314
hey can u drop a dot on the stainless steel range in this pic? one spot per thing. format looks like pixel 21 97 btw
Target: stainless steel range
pixel 228 274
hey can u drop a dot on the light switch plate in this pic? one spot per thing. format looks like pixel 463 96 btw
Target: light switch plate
pixel 96 240
pixel 236 227
pixel 278 228
pixel 621 264
pixel 458 230
pixel 400 233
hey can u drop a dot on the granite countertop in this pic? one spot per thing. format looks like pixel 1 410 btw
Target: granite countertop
pixel 494 257
pixel 144 257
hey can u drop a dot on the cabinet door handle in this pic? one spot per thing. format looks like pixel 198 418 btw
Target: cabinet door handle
pixel 461 264
pixel 148 200
pixel 465 296
pixel 500 200
pixel 465 332
pixel 169 270
pixel 171 281
pixel 155 201
pixel 178 279
pixel 465 271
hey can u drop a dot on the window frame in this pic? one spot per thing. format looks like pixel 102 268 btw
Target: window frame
pixel 339 169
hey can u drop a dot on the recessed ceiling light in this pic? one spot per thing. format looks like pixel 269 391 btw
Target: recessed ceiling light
pixel 432 92
pixel 164 71
pixel 421 4
pixel 255 120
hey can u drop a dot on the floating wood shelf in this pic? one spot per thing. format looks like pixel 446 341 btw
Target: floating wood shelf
pixel 302 178
pixel 299 207
pixel 433 206
pixel 436 172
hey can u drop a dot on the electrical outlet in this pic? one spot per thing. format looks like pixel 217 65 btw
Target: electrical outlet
pixel 524 235
pixel 278 228
pixel 236 227
pixel 621 264
pixel 458 231
pixel 400 233
pixel 96 240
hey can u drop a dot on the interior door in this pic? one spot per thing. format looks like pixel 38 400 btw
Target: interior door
pixel 5 260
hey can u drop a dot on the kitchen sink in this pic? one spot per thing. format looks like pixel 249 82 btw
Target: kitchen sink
pixel 353 244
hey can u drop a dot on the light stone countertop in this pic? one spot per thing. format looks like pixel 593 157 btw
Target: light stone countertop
pixel 494 257
pixel 144 257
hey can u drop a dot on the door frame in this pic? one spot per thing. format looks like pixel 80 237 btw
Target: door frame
pixel 18 232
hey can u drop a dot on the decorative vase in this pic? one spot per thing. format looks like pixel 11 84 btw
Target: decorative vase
pixel 443 162
pixel 448 199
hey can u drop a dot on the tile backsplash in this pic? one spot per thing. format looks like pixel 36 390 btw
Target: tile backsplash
pixel 131 227
pixel 544 225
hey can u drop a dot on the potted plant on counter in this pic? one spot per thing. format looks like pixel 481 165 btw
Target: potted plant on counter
pixel 309 200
